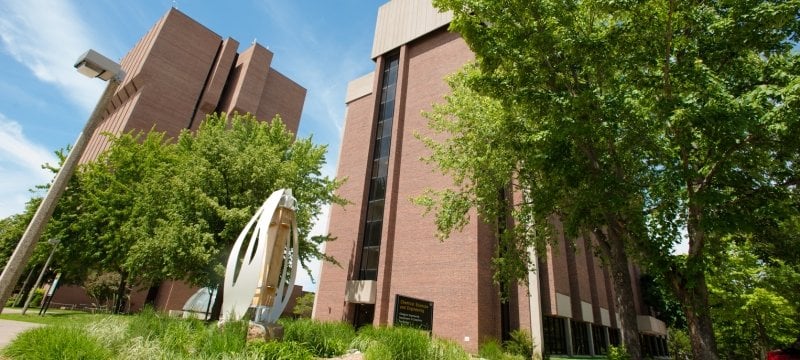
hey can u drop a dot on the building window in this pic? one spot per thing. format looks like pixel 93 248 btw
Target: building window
pixel 599 339
pixel 371 240
pixel 555 335
pixel 580 338
pixel 614 337
pixel 653 346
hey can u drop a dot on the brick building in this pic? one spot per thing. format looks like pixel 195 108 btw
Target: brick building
pixel 175 75
pixel 180 71
pixel 387 248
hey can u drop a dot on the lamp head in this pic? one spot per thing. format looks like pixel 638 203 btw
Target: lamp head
pixel 92 64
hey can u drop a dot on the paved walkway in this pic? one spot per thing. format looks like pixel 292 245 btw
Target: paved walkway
pixel 9 329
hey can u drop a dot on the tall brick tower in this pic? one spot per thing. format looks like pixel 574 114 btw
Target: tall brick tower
pixel 389 255
pixel 179 72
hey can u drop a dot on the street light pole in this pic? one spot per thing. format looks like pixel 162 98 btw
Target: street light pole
pixel 90 64
pixel 41 275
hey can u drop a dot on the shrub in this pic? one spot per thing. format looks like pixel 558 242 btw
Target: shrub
pixel 324 339
pixel 521 343
pixel 56 342
pixel 680 347
pixel 279 350
pixel 102 287
pixel 618 353
pixel 38 295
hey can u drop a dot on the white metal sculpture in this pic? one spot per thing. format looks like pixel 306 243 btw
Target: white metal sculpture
pixel 262 277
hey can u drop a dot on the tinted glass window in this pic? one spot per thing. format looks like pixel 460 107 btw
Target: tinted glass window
pixel 370 251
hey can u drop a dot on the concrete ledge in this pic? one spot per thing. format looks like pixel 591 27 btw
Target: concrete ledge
pixel 605 317
pixel 563 305
pixel 651 325
pixel 361 291
pixel 359 88
pixel 400 22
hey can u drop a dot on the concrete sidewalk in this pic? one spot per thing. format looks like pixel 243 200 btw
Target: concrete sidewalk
pixel 9 330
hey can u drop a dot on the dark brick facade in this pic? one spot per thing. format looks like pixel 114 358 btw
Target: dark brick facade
pixel 455 274
pixel 175 75
pixel 180 71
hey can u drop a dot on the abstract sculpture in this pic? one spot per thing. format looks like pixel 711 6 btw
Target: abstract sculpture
pixel 262 276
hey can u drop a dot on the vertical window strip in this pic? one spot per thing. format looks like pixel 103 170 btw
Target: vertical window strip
pixel 371 240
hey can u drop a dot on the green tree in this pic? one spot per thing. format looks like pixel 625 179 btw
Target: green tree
pixel 304 305
pixel 656 294
pixel 13 227
pixel 102 287
pixel 230 166
pixel 492 146
pixel 150 209
pixel 11 230
pixel 97 213
pixel 637 121
pixel 753 304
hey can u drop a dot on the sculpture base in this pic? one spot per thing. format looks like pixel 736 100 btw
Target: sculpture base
pixel 266 332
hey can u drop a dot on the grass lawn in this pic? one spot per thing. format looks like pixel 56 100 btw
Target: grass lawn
pixel 53 317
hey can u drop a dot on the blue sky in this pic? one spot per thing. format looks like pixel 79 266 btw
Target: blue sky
pixel 44 102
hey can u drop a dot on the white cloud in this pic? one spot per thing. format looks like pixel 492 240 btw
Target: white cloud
pixel 20 166
pixel 47 36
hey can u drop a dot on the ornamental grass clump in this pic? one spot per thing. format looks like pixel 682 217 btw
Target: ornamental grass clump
pixel 56 342
pixel 492 349
pixel 230 338
pixel 442 349
pixel 323 339
pixel 279 350
pixel 402 343
pixel 154 332
pixel 520 343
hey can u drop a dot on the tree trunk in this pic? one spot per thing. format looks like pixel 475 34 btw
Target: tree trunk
pixel 694 300
pixel 119 304
pixel 623 291
pixel 611 243
pixel 216 310
pixel 690 284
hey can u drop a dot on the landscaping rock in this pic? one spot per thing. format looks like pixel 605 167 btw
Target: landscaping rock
pixel 256 332
pixel 262 332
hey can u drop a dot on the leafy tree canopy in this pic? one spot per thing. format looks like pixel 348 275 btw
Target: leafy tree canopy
pixel 650 120
pixel 152 209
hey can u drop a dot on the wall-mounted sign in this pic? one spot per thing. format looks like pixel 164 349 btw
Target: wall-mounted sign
pixel 413 312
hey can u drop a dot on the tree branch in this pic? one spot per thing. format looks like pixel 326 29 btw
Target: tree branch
pixel 716 166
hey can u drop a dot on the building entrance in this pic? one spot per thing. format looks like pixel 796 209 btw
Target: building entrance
pixel 363 315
